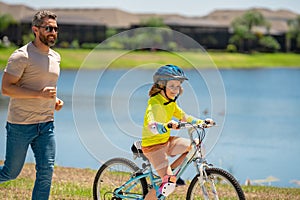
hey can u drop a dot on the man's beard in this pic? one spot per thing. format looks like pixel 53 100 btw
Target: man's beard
pixel 47 41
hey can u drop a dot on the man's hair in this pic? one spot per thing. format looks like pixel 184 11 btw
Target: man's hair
pixel 39 17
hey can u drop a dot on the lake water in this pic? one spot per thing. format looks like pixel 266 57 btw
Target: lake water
pixel 258 112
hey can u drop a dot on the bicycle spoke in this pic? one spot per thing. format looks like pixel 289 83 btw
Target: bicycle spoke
pixel 113 175
pixel 218 184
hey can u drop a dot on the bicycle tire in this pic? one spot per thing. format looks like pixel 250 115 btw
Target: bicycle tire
pixel 112 174
pixel 227 187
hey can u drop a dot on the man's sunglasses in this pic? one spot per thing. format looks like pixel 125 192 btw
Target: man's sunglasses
pixel 49 28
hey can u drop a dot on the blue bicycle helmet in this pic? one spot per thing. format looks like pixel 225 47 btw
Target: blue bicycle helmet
pixel 169 72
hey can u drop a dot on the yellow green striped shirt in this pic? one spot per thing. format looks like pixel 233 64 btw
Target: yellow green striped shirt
pixel 156 111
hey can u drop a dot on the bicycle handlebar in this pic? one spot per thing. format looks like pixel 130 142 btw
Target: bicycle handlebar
pixel 206 124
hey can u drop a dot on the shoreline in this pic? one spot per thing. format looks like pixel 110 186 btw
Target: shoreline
pixel 72 59
pixel 217 68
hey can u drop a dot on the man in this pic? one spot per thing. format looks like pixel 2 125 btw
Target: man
pixel 30 79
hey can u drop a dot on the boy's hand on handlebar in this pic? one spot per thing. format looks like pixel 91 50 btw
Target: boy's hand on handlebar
pixel 173 124
pixel 208 122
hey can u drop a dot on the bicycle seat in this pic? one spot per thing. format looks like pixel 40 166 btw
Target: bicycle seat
pixel 137 151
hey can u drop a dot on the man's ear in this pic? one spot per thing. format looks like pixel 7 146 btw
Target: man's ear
pixel 34 29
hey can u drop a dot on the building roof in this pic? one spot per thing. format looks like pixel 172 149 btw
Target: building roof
pixel 277 18
pixel 116 18
pixel 17 11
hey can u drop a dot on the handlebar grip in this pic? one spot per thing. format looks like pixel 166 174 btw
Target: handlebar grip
pixel 182 125
pixel 210 122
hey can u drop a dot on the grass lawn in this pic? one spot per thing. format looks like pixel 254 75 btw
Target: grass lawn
pixel 74 183
pixel 76 58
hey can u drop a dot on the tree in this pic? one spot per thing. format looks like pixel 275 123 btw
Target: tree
pixel 253 18
pixel 242 26
pixel 153 38
pixel 294 30
pixel 153 22
pixel 5 21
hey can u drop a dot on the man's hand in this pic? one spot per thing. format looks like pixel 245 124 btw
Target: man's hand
pixel 48 92
pixel 59 104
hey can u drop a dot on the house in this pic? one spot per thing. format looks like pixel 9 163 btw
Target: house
pixel 90 25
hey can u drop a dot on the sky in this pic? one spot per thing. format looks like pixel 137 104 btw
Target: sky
pixel 182 7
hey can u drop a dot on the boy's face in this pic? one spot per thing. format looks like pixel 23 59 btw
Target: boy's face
pixel 173 88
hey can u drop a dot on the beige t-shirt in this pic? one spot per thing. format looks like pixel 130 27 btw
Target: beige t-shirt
pixel 36 71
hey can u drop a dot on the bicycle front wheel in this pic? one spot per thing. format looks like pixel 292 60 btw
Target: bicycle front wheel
pixel 219 184
pixel 113 174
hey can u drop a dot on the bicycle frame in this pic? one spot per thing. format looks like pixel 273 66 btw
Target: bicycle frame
pixel 127 191
pixel 192 156
pixel 200 164
pixel 154 183
pixel 209 182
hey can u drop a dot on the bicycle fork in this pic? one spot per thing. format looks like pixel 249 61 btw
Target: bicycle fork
pixel 203 178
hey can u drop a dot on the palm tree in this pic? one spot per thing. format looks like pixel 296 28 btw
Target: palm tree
pixel 5 21
pixel 242 28
pixel 294 31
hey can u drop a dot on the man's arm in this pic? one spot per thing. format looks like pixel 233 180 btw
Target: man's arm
pixel 10 88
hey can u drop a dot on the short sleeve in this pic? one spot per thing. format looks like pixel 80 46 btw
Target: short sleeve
pixel 16 64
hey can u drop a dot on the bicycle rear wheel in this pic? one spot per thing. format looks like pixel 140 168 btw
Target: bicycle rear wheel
pixel 219 183
pixel 114 173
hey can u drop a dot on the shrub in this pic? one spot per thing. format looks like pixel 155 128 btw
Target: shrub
pixel 89 45
pixel 231 48
pixel 27 38
pixel 64 44
pixel 75 44
pixel 269 44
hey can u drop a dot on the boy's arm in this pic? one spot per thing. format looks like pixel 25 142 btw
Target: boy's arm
pixel 182 116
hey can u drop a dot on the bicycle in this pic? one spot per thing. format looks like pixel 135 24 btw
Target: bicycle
pixel 121 178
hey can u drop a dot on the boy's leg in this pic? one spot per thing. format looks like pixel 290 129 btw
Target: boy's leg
pixel 159 161
pixel 178 161
pixel 151 195
pixel 178 146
